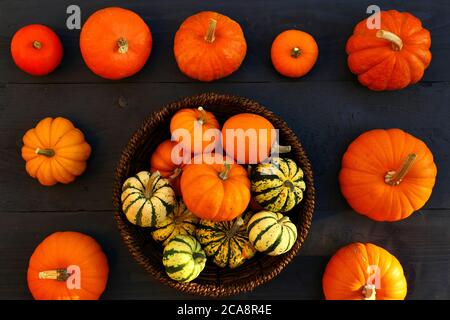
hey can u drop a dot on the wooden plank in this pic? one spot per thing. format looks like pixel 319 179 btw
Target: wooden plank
pixel 331 23
pixel 326 117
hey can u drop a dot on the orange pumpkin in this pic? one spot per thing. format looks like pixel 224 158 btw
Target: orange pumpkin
pixel 215 190
pixel 209 46
pixel 197 123
pixel 392 57
pixel 115 43
pixel 55 151
pixel 294 53
pixel 364 272
pixel 387 174
pixel 68 266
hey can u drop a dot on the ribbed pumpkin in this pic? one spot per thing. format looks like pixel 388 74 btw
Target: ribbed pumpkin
pixel 361 271
pixel 271 233
pixel 147 199
pixel 55 151
pixel 392 57
pixel 183 258
pixel 179 221
pixel 387 174
pixel 278 186
pixel 226 242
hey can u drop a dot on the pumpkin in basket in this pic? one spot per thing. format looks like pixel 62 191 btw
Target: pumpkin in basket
pixel 147 199
pixel 67 266
pixel 387 174
pixel 183 258
pixel 209 46
pixel 364 271
pixel 278 186
pixel 55 151
pixel 179 221
pixel 271 233
pixel 226 242
pixel 215 189
pixel 392 57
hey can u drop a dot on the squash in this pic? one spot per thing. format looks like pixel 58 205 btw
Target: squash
pixel 294 53
pixel 147 199
pixel 364 271
pixel 191 128
pixel 387 174
pixel 183 258
pixel 55 151
pixel 271 233
pixel 392 57
pixel 115 43
pixel 209 46
pixel 36 49
pixel 226 242
pixel 277 186
pixel 219 191
pixel 67 266
pixel 179 221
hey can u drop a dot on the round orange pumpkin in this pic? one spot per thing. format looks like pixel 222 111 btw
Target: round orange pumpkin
pixel 214 189
pixel 392 57
pixel 387 174
pixel 361 271
pixel 55 151
pixel 115 43
pixel 294 53
pixel 209 46
pixel 68 266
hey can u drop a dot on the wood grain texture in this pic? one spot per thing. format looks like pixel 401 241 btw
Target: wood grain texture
pixel 327 109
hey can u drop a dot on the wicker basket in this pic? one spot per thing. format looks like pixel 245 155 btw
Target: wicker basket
pixel 213 281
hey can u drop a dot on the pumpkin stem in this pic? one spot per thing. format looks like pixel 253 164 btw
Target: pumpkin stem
pixel 122 43
pixel 295 52
pixel 58 274
pixel 369 292
pixel 45 152
pixel 396 41
pixel 235 227
pixel 202 119
pixel 37 44
pixel 394 178
pixel 226 170
pixel 199 258
pixel 175 173
pixel 152 180
pixel 289 184
pixel 210 37
pixel 276 148
pixel 284 219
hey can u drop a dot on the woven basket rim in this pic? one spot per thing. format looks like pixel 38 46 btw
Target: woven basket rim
pixel 239 286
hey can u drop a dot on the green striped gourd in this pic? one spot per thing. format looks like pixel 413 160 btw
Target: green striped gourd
pixel 271 233
pixel 147 199
pixel 179 221
pixel 227 241
pixel 183 258
pixel 278 186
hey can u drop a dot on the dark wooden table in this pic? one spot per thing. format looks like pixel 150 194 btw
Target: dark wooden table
pixel 327 109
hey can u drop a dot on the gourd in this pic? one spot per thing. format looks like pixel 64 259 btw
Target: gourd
pixel 226 242
pixel 147 199
pixel 277 186
pixel 271 233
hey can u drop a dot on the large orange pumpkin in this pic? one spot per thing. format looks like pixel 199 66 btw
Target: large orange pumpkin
pixel 55 151
pixel 68 266
pixel 361 271
pixel 115 43
pixel 215 190
pixel 209 46
pixel 387 174
pixel 391 57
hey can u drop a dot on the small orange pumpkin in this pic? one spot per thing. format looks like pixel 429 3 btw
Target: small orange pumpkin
pixel 214 189
pixel 387 174
pixel 392 57
pixel 55 151
pixel 294 53
pixel 209 46
pixel 361 271
pixel 68 266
